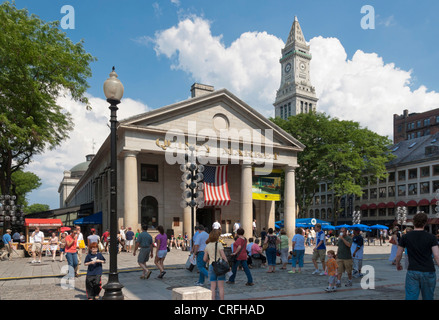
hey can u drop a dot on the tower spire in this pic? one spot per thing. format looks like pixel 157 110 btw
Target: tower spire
pixel 296 34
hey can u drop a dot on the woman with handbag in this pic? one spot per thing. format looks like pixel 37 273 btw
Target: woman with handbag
pixel 214 253
pixel 240 258
pixel 271 241
pixel 298 247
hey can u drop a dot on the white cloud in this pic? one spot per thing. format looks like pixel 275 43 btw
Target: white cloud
pixel 249 67
pixel 363 88
pixel 90 126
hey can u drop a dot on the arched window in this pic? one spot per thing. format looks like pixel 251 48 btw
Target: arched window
pixel 317 215
pixel 150 212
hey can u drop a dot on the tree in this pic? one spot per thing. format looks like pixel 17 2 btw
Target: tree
pixel 338 152
pixel 22 184
pixel 38 63
pixel 36 207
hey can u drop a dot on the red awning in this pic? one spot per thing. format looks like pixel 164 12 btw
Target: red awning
pixel 363 207
pixel 381 205
pixel 372 206
pixel 424 202
pixel 412 203
pixel 433 202
pixel 390 204
pixel 433 221
pixel 401 204
pixel 43 222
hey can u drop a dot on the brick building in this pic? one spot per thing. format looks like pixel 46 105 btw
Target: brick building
pixel 415 125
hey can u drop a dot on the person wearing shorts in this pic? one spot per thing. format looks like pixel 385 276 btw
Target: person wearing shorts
pixel 162 250
pixel 344 257
pixel 37 245
pixel 319 252
pixel 145 243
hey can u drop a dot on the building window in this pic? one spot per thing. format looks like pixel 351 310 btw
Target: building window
pixel 427 122
pixel 317 200
pixel 372 212
pixel 289 109
pixel 425 171
pixel 436 170
pixel 401 175
pixel 391 176
pixel 413 189
pixel 373 193
pixel 419 123
pixel 365 194
pixel 426 209
pixel 382 192
pixel 391 191
pixel 413 173
pixel 329 198
pixel 382 212
pixel 323 198
pixel 424 187
pixel 401 190
pixel 323 188
pixel 149 172
pixel 435 185
pixel 149 212
pixel 281 111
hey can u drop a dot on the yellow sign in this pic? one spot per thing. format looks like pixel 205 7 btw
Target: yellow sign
pixel 266 184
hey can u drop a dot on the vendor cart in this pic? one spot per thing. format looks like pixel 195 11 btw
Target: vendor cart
pixel 43 224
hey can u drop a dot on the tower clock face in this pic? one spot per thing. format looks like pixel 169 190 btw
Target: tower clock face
pixel 302 66
pixel 288 67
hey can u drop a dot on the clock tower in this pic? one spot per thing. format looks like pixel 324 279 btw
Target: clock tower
pixel 296 94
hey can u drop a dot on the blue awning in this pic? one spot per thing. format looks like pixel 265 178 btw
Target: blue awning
pixel 91 219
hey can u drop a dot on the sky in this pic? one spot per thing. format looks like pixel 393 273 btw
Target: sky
pixel 370 60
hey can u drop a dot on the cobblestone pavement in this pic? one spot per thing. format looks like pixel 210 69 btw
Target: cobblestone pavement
pixel 19 279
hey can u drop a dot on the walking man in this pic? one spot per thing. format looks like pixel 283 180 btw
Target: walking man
pixel 145 242
pixel 357 253
pixel 199 246
pixel 37 245
pixel 344 257
pixel 7 240
pixel 319 252
pixel 421 272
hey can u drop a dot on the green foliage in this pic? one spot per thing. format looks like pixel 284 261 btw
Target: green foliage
pixel 338 152
pixel 23 183
pixel 36 207
pixel 38 63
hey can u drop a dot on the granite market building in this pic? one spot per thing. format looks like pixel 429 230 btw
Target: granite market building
pixel 226 132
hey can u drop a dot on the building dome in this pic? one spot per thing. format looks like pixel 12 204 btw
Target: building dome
pixel 79 170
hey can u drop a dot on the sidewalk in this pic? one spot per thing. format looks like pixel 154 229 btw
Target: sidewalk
pixel 19 279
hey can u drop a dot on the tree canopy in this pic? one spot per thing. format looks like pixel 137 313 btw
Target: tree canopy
pixel 338 152
pixel 38 63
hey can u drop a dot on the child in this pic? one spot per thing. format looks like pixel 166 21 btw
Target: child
pixel 331 269
pixel 94 261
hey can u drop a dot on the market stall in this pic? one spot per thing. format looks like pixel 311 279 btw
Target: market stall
pixel 43 224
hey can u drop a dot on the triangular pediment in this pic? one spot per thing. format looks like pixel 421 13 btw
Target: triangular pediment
pixel 211 113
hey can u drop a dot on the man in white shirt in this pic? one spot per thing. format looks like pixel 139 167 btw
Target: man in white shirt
pixel 236 226
pixel 254 228
pixel 79 251
pixel 216 225
pixel 37 238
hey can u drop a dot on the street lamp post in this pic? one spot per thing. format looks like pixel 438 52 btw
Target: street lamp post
pixel 401 215
pixel 192 186
pixel 113 90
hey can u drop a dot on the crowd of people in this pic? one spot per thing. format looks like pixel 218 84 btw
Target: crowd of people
pixel 207 250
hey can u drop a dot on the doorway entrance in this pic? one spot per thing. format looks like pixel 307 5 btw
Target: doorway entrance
pixel 206 217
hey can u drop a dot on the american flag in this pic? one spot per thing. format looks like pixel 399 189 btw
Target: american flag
pixel 216 190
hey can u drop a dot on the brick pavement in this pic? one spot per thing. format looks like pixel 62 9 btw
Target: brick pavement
pixel 19 279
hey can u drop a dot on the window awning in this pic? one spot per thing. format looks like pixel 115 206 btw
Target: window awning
pixel 372 206
pixel 43 222
pixel 412 203
pixel 424 202
pixel 381 205
pixel 364 207
pixel 390 204
pixel 401 204
pixel 95 218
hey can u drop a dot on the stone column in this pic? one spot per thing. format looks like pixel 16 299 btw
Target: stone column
pixel 131 181
pixel 187 222
pixel 270 211
pixel 246 214
pixel 290 202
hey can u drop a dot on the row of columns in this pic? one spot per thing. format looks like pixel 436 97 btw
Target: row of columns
pixel 131 202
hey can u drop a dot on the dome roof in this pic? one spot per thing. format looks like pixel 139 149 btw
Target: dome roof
pixel 81 167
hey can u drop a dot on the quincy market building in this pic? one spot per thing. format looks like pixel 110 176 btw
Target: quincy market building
pixel 225 132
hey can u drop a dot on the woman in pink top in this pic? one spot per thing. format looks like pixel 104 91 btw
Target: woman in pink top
pixel 162 243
